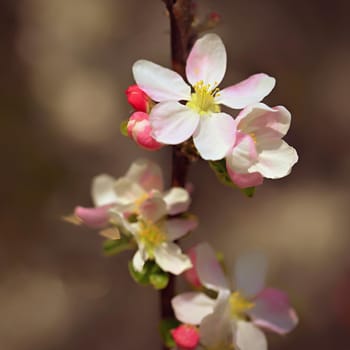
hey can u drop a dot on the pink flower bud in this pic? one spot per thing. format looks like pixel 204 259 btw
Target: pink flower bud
pixel 137 98
pixel 186 336
pixel 140 130
pixel 191 274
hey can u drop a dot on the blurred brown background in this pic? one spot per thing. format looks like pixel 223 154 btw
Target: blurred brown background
pixel 64 68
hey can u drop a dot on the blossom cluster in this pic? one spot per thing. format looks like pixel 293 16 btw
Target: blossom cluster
pixel 135 212
pixel 173 111
pixel 214 316
pixel 233 319
pixel 138 207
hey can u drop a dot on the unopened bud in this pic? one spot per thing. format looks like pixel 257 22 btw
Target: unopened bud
pixel 186 336
pixel 140 130
pixel 137 98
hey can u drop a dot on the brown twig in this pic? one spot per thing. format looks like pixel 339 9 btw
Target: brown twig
pixel 182 38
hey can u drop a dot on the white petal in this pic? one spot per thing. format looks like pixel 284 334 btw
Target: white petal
pixel 102 190
pixel 138 261
pixel 243 154
pixel 247 92
pixel 249 337
pixel 177 200
pixel 172 122
pixel 207 61
pixel 264 121
pixel 178 227
pixel 127 191
pixel 276 161
pixel 215 136
pixel 153 209
pixel 159 83
pixel 217 329
pixel 192 307
pixel 147 174
pixel 209 270
pixel 250 272
pixel 169 257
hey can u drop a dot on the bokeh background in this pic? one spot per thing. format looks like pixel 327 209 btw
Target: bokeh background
pixel 64 68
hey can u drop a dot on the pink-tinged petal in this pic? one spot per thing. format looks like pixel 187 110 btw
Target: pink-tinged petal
pixel 250 272
pixel 273 311
pixel 147 174
pixel 215 135
pixel 264 121
pixel 191 274
pixel 161 84
pixel 102 190
pixel 93 217
pixel 249 337
pixel 275 160
pixel 247 92
pixel 207 61
pixel 178 227
pixel 172 122
pixel 177 200
pixel 169 257
pixel 245 180
pixel 217 329
pixel 192 307
pixel 153 209
pixel 209 270
pixel 186 336
pixel 242 155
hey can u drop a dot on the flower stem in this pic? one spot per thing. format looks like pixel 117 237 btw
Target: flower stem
pixel 182 37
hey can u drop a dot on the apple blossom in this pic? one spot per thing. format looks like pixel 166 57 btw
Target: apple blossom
pixel 127 193
pixel 173 122
pixel 265 307
pixel 140 130
pixel 154 234
pixel 259 150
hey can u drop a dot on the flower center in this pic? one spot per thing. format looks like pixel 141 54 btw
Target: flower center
pixel 203 99
pixel 239 305
pixel 151 235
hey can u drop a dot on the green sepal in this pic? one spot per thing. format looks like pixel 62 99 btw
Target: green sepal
pixel 249 191
pixel 141 277
pixel 220 170
pixel 115 246
pixel 151 274
pixel 158 278
pixel 124 128
pixel 165 326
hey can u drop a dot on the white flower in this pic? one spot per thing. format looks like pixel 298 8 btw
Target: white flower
pixel 265 307
pixel 155 233
pixel 213 131
pixel 259 150
pixel 126 194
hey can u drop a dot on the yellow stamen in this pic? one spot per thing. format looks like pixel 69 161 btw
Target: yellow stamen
pixel 138 202
pixel 239 305
pixel 203 99
pixel 151 235
pixel 253 136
